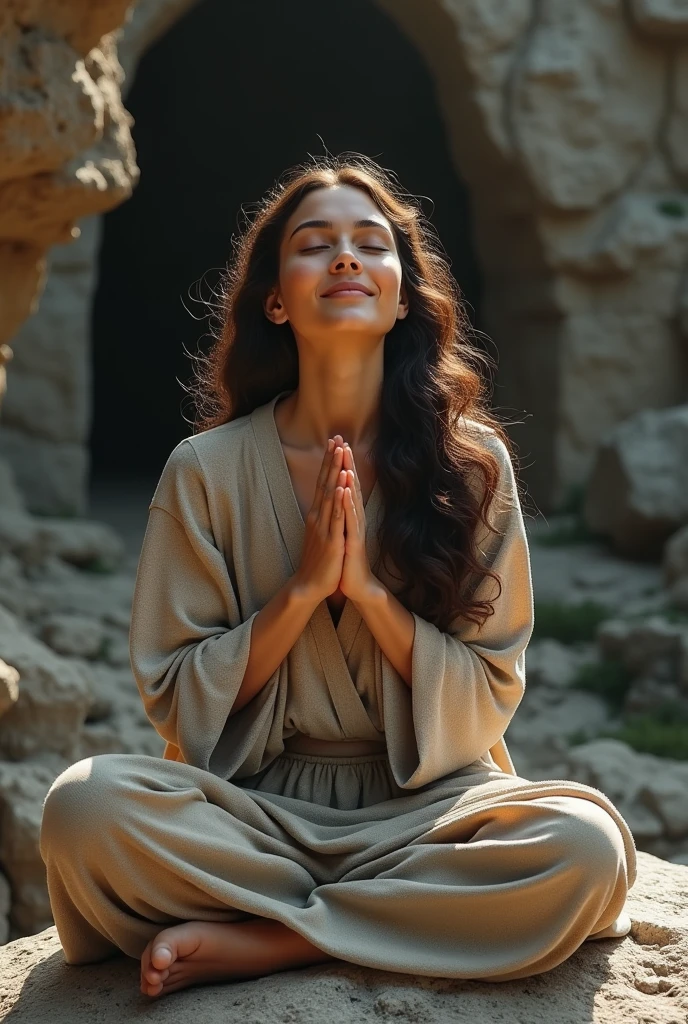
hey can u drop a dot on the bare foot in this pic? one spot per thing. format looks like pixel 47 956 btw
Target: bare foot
pixel 200 952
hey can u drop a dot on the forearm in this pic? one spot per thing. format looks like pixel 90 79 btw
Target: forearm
pixel 276 628
pixel 392 625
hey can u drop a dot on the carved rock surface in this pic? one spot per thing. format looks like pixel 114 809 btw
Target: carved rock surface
pixel 643 976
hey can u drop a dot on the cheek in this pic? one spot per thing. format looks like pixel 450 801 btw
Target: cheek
pixel 298 282
pixel 388 279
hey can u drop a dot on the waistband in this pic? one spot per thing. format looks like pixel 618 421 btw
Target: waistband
pixel 300 744
pixel 332 759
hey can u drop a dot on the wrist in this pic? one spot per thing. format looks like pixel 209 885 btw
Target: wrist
pixel 373 595
pixel 302 595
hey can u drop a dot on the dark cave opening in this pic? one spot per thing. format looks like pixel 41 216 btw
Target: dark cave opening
pixel 223 103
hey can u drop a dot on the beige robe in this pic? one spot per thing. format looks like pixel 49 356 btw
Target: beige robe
pixel 349 837
pixel 226 509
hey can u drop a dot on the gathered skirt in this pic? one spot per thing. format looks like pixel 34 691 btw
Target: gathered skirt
pixel 480 874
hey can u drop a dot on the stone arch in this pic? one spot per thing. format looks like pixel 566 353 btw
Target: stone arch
pixel 569 124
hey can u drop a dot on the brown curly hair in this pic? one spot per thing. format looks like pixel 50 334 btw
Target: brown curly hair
pixel 424 460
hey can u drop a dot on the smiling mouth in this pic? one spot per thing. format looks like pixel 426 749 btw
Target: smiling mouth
pixel 346 292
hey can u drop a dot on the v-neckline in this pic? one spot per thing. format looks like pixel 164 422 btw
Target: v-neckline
pixel 291 520
pixel 273 403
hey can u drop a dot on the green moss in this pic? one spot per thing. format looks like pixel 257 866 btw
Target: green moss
pixel 98 565
pixel 674 614
pixel 104 649
pixel 671 208
pixel 578 736
pixel 608 678
pixel 573 501
pixel 663 733
pixel 569 623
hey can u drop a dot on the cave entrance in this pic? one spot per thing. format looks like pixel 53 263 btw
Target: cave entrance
pixel 223 102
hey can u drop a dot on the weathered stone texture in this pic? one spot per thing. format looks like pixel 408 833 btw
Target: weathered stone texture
pixel 69 158
pixel 643 976
pixel 588 99
pixel 64 134
pixel 569 123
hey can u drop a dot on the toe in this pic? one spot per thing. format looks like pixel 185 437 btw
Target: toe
pixel 150 989
pixel 149 973
pixel 161 956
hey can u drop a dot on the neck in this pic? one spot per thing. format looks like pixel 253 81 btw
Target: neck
pixel 323 405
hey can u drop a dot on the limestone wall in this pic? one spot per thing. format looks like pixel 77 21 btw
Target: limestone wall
pixel 67 157
pixel 569 123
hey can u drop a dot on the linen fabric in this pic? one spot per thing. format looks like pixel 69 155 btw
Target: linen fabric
pixel 433 857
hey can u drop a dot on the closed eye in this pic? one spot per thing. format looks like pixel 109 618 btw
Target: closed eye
pixel 316 248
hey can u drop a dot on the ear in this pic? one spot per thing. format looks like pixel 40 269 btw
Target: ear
pixel 403 307
pixel 274 310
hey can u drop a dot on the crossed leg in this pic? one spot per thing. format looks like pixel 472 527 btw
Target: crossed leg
pixel 143 854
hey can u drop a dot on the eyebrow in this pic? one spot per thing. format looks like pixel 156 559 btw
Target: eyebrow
pixel 365 223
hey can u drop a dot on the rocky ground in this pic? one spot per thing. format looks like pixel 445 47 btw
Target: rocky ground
pixel 641 979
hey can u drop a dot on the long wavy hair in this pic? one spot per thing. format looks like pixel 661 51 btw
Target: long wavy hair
pixel 424 460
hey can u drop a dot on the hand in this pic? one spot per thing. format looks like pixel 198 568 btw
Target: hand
pixel 357 575
pixel 322 557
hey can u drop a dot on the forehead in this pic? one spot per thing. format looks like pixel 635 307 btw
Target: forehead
pixel 340 203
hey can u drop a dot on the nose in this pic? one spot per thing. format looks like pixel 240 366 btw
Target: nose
pixel 345 260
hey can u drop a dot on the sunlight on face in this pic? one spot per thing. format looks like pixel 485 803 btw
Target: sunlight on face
pixel 339 267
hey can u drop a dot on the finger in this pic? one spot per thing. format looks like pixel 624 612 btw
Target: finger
pixel 356 494
pixel 326 484
pixel 338 516
pixel 322 475
pixel 329 489
pixel 352 520
pixel 349 463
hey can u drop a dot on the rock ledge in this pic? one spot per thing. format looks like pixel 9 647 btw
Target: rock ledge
pixel 643 976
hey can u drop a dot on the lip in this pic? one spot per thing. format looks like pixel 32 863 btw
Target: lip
pixel 346 286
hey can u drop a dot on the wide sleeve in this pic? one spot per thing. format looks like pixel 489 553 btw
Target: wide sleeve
pixel 189 639
pixel 467 683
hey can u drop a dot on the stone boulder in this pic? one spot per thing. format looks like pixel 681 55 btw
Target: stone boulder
pixel 52 700
pixel 643 976
pixel 23 788
pixel 80 542
pixel 637 493
pixel 650 792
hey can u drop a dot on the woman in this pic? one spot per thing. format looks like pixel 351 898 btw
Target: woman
pixel 332 607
